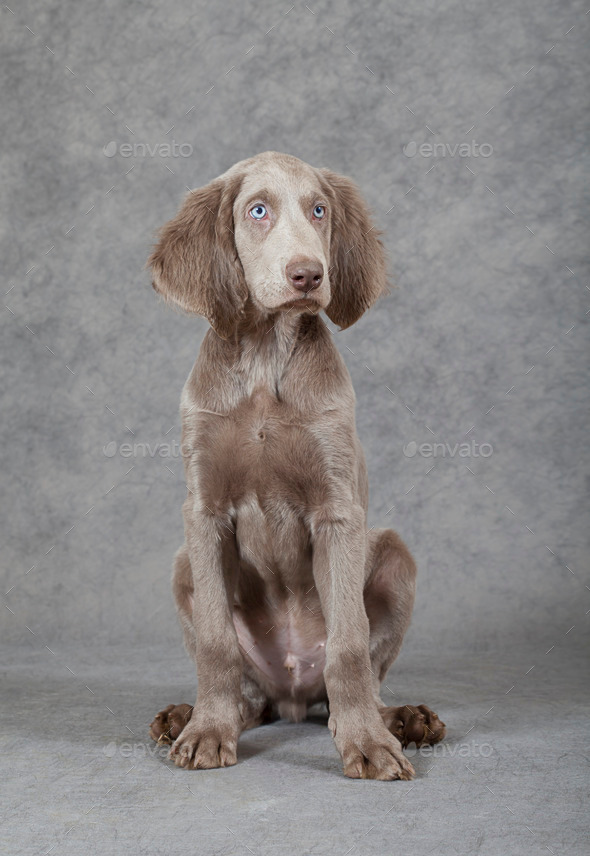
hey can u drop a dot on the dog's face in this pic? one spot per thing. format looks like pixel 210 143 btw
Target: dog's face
pixel 278 234
pixel 282 233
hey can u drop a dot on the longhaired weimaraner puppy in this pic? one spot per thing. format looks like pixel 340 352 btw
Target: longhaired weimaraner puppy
pixel 284 598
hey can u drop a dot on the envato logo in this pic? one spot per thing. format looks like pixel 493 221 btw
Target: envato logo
pixel 160 150
pixel 146 450
pixel 445 450
pixel 446 150
pixel 459 750
pixel 135 750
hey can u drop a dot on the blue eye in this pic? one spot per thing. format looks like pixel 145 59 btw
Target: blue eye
pixel 318 212
pixel 258 212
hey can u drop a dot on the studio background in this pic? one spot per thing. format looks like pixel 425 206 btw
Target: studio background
pixel 464 128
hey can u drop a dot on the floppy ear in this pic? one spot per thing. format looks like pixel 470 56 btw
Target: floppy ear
pixel 195 263
pixel 357 258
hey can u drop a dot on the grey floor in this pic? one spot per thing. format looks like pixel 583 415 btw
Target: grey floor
pixel 80 774
pixel 483 343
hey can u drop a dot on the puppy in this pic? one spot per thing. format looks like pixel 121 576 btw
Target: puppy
pixel 285 598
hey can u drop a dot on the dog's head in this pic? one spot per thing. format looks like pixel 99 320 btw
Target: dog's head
pixel 277 232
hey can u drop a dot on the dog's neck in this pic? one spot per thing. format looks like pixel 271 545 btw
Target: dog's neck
pixel 257 359
pixel 265 346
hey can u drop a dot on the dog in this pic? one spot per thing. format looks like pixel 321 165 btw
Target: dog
pixel 285 599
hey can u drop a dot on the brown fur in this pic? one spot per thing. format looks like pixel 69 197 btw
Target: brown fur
pixel 197 246
pixel 284 597
pixel 356 253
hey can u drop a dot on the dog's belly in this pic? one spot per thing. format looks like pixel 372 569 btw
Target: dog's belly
pixel 277 613
pixel 289 654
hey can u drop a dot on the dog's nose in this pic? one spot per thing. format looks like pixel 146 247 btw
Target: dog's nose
pixel 305 274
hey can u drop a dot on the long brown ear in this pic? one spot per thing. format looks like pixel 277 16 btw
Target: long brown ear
pixel 357 258
pixel 195 263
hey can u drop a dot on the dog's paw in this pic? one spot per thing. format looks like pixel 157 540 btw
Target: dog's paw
pixel 205 748
pixel 376 761
pixel 411 724
pixel 370 752
pixel 168 724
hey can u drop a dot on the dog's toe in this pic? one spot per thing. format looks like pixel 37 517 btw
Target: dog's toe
pixel 369 751
pixel 383 763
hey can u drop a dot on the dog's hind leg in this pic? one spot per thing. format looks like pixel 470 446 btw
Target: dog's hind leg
pixel 389 600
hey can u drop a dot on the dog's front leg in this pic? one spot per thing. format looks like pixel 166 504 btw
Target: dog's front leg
pixel 210 737
pixel 368 749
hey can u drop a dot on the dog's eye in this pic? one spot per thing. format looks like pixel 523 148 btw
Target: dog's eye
pixel 318 212
pixel 258 212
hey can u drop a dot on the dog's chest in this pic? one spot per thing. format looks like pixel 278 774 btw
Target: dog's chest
pixel 265 448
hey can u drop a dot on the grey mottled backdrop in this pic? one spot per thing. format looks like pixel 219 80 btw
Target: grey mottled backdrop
pixel 464 125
